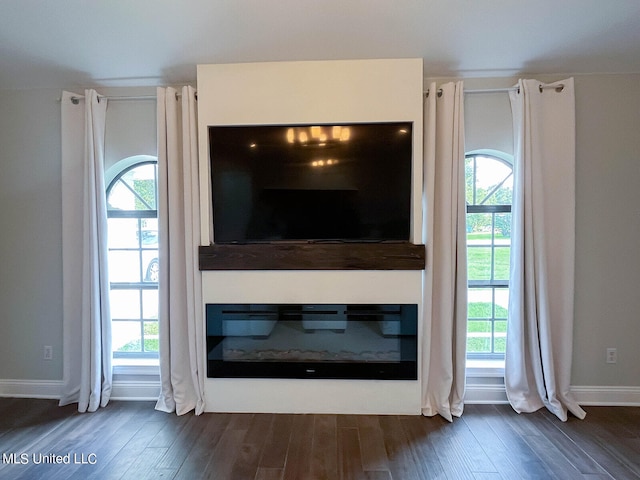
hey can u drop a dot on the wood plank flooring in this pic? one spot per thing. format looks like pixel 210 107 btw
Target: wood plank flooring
pixel 130 440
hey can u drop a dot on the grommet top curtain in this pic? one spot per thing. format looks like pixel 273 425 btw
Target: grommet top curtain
pixel 87 319
pixel 445 282
pixel 182 356
pixel 540 325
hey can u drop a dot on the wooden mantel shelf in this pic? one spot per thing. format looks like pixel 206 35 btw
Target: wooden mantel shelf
pixel 313 256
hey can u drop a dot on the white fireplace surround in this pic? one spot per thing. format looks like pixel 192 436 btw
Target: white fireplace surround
pixel 322 92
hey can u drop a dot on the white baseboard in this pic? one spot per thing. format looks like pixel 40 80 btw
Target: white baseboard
pixel 607 396
pixel 474 394
pixel 121 389
pixel 584 395
pixel 31 388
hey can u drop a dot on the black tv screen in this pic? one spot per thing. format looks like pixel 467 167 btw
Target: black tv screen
pixel 347 182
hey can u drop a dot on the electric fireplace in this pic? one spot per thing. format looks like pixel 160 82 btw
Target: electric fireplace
pixel 337 341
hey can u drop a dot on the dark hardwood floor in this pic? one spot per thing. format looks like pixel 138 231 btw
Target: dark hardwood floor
pixel 130 440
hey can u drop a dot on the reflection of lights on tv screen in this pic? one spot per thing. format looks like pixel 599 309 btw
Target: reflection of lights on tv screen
pixel 347 182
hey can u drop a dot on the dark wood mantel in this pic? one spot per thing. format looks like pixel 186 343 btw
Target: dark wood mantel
pixel 313 256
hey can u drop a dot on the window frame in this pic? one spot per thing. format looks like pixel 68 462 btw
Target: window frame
pixel 485 359
pixel 141 359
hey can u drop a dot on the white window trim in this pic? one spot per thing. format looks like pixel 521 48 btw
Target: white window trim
pixel 485 368
pixel 136 366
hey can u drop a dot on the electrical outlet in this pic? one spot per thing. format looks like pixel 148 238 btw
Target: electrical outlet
pixel 48 352
pixel 612 355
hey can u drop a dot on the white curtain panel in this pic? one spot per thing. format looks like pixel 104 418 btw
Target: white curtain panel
pixel 87 319
pixel 182 356
pixel 540 325
pixel 445 283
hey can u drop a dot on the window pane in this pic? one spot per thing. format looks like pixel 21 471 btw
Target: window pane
pixel 478 336
pixel 469 176
pixel 502 224
pixel 501 297
pixel 480 303
pixel 502 241
pixel 150 336
pixel 120 197
pixel 149 232
pixel 500 336
pixel 479 263
pixel 123 233
pixel 493 182
pixel 151 266
pixel 150 304
pixel 143 179
pixel 126 336
pixel 134 190
pixel 125 304
pixel 479 326
pixel 478 345
pixel 501 265
pixel 479 228
pixel 124 266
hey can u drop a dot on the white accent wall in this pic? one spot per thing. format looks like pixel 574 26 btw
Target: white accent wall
pixel 322 92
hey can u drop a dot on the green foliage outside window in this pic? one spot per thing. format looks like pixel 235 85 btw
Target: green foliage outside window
pixel 146 190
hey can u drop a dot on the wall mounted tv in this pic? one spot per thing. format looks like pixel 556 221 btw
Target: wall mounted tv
pixel 342 182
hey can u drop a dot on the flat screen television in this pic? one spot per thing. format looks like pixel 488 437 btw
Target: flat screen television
pixel 311 183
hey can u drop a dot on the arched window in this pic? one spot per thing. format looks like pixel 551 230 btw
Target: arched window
pixel 132 212
pixel 489 188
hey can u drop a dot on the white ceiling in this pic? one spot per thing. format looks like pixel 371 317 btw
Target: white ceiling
pixel 67 43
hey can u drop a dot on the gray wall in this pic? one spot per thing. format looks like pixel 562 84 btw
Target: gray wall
pixel 607 227
pixel 31 218
pixel 30 234
pixel 130 129
pixel 607 301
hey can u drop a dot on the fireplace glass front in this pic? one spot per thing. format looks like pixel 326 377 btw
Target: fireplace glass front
pixel 342 341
